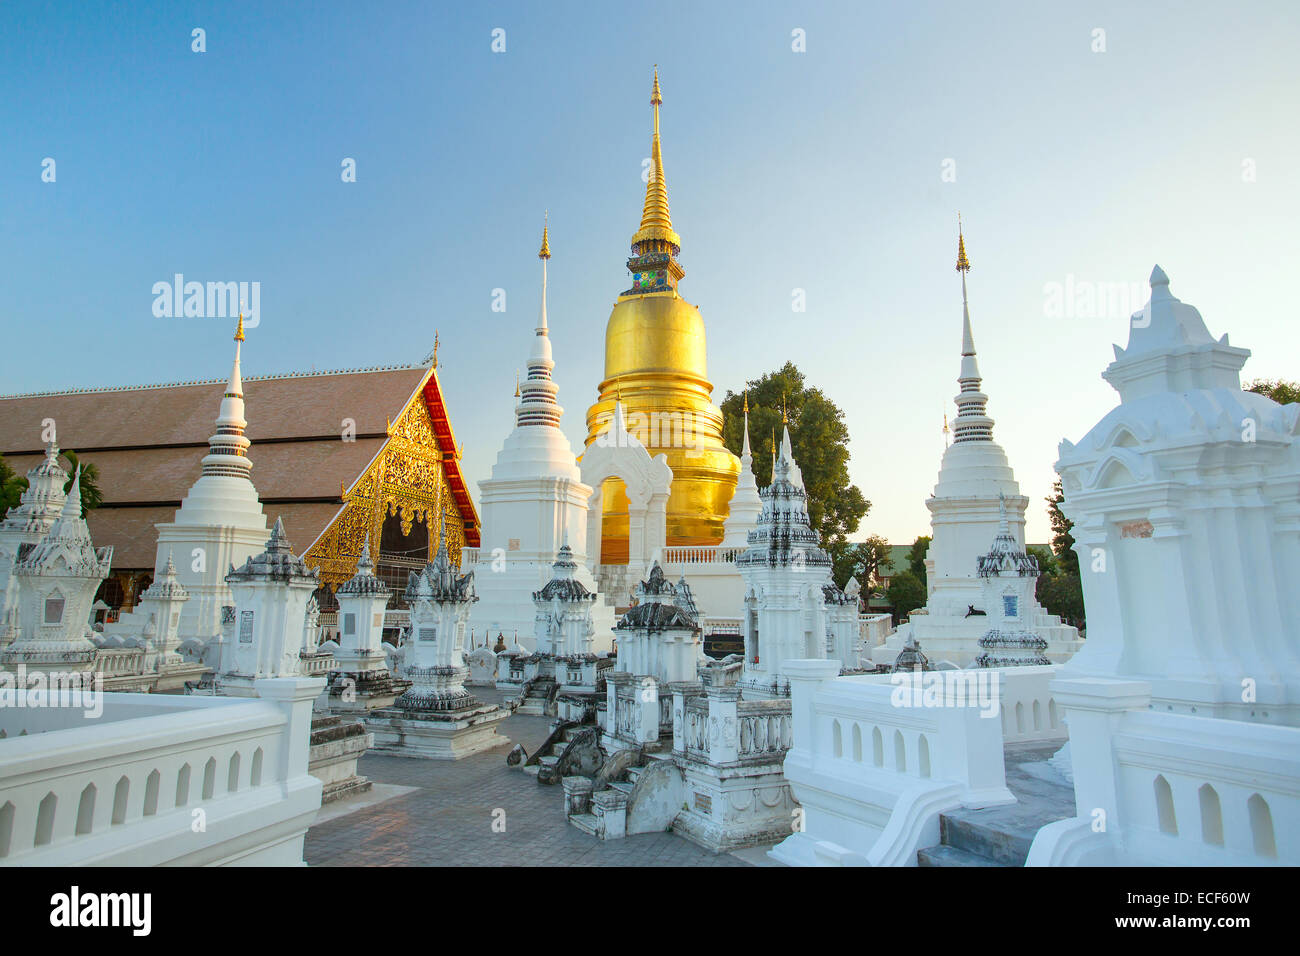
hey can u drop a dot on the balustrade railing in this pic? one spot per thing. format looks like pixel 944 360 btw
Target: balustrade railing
pixel 126 788
pixel 699 555
pixel 119 661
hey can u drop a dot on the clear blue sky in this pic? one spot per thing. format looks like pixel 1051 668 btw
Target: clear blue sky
pixel 818 170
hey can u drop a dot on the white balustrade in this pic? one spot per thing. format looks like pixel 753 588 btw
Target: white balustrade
pixel 159 779
pixel 877 758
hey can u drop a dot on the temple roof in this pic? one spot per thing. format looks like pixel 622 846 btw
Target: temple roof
pixel 148 443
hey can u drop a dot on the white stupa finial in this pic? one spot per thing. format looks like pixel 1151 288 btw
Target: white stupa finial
pixel 228 447
pixel 745 455
pixel 536 393
pixel 72 506
pixel 972 422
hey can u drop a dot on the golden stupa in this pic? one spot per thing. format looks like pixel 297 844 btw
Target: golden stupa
pixel 655 365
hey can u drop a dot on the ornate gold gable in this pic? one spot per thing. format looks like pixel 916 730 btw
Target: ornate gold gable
pixel 406 479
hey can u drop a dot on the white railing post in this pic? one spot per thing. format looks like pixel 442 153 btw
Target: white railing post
pixel 806 678
pixel 294 695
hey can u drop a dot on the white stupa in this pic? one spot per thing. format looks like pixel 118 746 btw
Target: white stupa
pixel 787 577
pixel 975 485
pixel 533 498
pixel 40 506
pixel 220 523
pixel 57 580
pixel 746 505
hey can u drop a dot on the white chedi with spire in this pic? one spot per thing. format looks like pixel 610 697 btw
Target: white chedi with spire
pixel 25 525
pixel 57 580
pixel 440 599
pixel 361 680
pixel 974 478
pixel 1010 577
pixel 533 499
pixel 563 626
pixel 746 505
pixel 160 606
pixel 975 494
pixel 787 578
pixel 220 522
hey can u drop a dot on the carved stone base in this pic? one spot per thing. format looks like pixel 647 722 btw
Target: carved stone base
pixel 336 746
pixel 436 735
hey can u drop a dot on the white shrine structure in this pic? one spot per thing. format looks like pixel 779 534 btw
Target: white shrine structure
pixel 361 680
pixel 696 745
pixel 49 590
pixel 113 778
pixel 746 503
pixel 1180 711
pixel 56 582
pixel 1009 576
pixel 535 499
pixel 562 677
pixel 271 592
pixel 975 486
pixel 24 527
pixel 617 453
pixel 793 610
pixel 219 524
pixel 1184 706
pixel 437 717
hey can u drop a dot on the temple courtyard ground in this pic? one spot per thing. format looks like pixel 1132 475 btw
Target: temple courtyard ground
pixel 480 812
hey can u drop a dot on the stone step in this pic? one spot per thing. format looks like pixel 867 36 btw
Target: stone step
pixel 950 856
pixel 634 772
pixel 550 760
pixel 1002 846
pixel 584 822
pixel 621 785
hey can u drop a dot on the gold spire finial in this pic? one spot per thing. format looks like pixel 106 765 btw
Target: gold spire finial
pixel 963 264
pixel 435 348
pixel 516 383
pixel 546 243
pixel 239 329
pixel 783 418
pixel 656 220
pixel 746 401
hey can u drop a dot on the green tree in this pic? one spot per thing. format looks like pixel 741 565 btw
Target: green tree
pixel 1062 595
pixel 1062 539
pixel 1282 392
pixel 820 442
pixel 1059 589
pixel 906 593
pixel 916 559
pixel 12 486
pixel 864 561
pixel 91 496
pixel 1047 563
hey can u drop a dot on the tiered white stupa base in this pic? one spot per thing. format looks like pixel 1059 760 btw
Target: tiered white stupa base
pixel 436 735
pixel 955 638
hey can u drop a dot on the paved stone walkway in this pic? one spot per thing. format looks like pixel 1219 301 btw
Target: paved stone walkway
pixel 448 819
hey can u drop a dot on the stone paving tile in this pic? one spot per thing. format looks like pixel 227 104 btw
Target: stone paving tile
pixel 448 819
